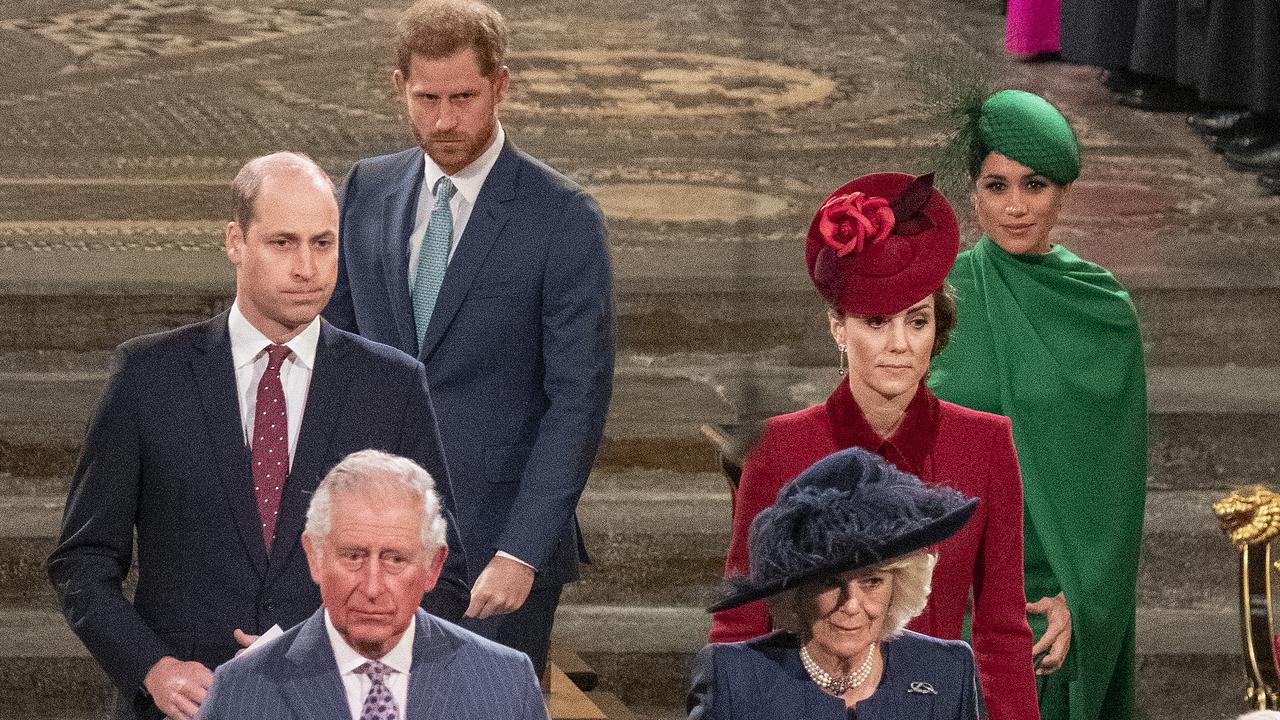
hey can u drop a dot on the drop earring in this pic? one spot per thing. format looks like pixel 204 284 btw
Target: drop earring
pixel 842 358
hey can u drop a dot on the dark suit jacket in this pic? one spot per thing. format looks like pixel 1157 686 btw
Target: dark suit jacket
pixel 165 455
pixel 519 351
pixel 764 678
pixel 455 674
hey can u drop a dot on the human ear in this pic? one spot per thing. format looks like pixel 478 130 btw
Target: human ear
pixel 836 325
pixel 234 242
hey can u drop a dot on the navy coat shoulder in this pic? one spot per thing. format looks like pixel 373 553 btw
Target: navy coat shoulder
pixel 924 679
pixel 519 350
pixel 454 674
pixel 165 455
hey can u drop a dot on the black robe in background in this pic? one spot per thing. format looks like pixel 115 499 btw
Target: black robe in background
pixel 1241 58
pixel 1098 32
pixel 1168 40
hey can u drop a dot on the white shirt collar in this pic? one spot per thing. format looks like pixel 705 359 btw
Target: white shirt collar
pixel 471 178
pixel 247 341
pixel 400 658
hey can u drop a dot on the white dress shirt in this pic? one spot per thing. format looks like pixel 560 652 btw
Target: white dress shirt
pixel 399 659
pixel 248 354
pixel 468 182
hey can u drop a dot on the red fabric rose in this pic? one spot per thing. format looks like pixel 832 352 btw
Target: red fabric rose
pixel 848 223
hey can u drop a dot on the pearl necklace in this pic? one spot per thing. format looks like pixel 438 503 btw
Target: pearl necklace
pixel 838 685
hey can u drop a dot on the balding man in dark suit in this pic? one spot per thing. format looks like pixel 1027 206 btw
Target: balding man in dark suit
pixel 209 441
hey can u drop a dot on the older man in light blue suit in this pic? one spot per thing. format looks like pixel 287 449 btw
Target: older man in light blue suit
pixel 375 544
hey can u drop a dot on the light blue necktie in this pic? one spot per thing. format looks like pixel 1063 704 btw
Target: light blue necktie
pixel 433 258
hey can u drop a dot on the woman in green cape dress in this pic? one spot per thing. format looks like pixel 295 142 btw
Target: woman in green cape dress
pixel 1051 340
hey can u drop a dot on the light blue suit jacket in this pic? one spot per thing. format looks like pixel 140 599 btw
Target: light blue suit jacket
pixel 455 675
pixel 519 351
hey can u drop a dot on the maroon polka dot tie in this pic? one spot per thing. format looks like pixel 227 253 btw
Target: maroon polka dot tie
pixel 270 442
pixel 379 703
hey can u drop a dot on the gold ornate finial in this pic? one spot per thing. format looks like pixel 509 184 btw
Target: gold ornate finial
pixel 1249 515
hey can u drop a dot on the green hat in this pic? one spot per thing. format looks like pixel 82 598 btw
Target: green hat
pixel 1025 127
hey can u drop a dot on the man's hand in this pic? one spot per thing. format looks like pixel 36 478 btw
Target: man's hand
pixel 1057 637
pixel 178 687
pixel 244 639
pixel 502 587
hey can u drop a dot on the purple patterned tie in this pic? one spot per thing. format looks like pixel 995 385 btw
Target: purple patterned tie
pixel 270 448
pixel 378 704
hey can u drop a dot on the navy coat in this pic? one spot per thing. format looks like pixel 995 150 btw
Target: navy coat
pixel 165 456
pixel 519 350
pixel 764 678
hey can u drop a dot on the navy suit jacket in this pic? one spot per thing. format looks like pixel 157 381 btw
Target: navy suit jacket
pixel 455 674
pixel 165 455
pixel 519 350
pixel 764 678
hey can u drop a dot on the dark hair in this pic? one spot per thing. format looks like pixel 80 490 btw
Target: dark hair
pixel 439 28
pixel 944 317
pixel 977 152
pixel 248 182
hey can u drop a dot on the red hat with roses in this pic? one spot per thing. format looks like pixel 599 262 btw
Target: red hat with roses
pixel 882 242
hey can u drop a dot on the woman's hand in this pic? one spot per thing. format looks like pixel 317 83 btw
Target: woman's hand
pixel 1057 637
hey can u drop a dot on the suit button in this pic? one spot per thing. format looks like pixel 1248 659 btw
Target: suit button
pixel 269 606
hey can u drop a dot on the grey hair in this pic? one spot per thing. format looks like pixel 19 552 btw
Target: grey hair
pixel 381 475
pixel 248 182
pixel 912 578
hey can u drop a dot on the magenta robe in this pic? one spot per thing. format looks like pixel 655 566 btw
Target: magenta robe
pixel 1032 26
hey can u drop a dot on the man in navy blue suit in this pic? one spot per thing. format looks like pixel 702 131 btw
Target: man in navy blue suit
pixel 375 543
pixel 209 441
pixel 493 270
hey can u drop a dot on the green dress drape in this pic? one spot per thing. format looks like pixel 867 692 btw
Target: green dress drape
pixel 1052 342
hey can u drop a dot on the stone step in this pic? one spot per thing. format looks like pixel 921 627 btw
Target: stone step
pixel 1210 427
pixel 93 300
pixel 668 549
pixel 1189 661
pixel 665 546
pixel 45 671
pixel 641 653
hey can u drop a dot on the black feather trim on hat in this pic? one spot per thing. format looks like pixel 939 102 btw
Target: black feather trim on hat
pixel 849 510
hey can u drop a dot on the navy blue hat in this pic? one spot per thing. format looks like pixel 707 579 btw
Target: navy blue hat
pixel 850 510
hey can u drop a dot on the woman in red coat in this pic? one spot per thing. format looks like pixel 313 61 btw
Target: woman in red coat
pixel 879 250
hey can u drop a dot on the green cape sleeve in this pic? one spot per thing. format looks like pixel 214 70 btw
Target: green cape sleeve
pixel 1052 342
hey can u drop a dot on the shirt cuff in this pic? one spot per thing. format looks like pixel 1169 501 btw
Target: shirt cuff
pixel 509 556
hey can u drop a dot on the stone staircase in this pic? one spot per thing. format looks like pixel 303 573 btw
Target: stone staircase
pixel 656 510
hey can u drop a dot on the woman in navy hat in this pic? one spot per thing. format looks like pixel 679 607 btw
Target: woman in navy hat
pixel 878 251
pixel 841 562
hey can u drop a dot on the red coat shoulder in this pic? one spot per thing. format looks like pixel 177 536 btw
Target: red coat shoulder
pixel 961 427
pixel 803 436
pixel 976 421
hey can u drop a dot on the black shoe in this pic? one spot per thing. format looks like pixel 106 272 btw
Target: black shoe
pixel 1043 56
pixel 1161 97
pixel 1222 121
pixel 1120 80
pixel 1270 182
pixel 1265 159
pixel 1246 141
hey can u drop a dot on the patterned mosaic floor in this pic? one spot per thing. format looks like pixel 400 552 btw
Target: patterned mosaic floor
pixel 697 125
